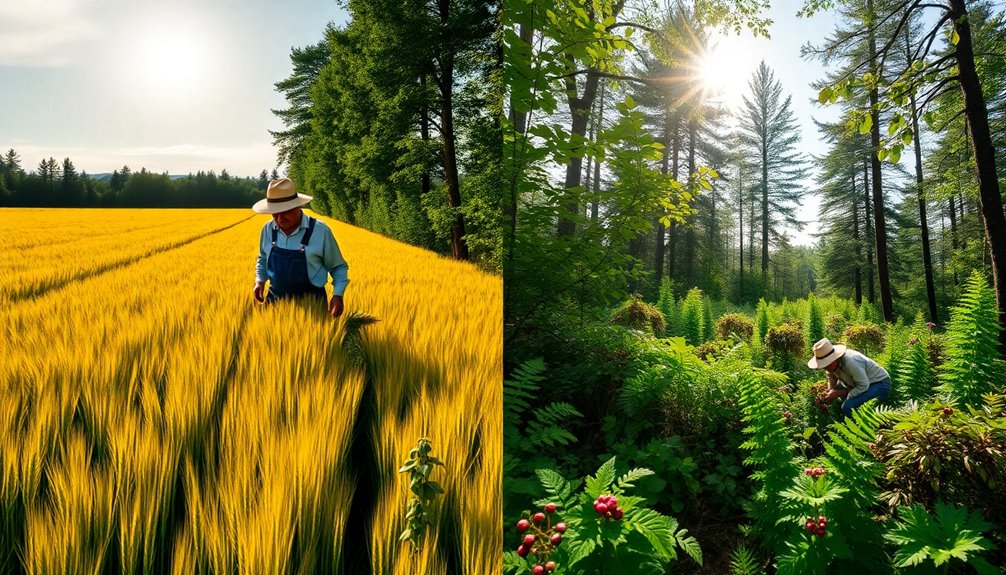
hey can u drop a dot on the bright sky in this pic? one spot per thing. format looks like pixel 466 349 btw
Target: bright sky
pixel 736 58
pixel 175 86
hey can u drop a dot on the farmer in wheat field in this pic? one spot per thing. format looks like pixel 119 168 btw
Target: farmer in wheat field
pixel 297 252
pixel 850 374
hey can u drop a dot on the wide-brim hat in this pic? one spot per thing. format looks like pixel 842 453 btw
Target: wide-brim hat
pixel 825 353
pixel 279 197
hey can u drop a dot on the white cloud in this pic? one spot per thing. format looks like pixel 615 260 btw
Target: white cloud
pixel 178 159
pixel 42 33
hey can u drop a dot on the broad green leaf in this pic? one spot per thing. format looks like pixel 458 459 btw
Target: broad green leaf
pixel 866 124
pixel 824 95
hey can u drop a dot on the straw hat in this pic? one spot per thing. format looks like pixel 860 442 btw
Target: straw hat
pixel 281 196
pixel 825 353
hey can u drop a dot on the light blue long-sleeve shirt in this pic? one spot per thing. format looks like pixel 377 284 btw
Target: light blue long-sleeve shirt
pixel 857 371
pixel 322 251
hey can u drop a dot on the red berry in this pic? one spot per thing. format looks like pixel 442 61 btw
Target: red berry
pixel 523 551
pixel 550 566
pixel 556 539
pixel 822 521
pixel 612 502
pixel 947 411
pixel 560 527
pixel 538 570
pixel 810 525
pixel 787 414
pixel 550 507
pixel 819 531
pixel 618 514
pixel 528 540
pixel 522 525
pixel 538 517
pixel 808 471
pixel 601 508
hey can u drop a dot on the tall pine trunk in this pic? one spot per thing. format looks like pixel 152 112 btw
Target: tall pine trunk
pixel 927 259
pixel 690 250
pixel 989 198
pixel 459 246
pixel 857 276
pixel 658 258
pixel 880 224
pixel 740 229
pixel 595 205
pixel 870 295
pixel 672 234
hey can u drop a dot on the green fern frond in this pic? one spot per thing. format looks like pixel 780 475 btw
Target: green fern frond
pixel 973 366
pixel 914 373
pixel 662 532
pixel 547 428
pixel 600 483
pixel 633 474
pixel 745 562
pixel 770 450
pixel 949 533
pixel 520 390
pixel 558 488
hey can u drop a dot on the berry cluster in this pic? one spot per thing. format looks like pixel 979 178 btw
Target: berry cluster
pixel 814 472
pixel 541 537
pixel 817 526
pixel 787 414
pixel 822 402
pixel 607 505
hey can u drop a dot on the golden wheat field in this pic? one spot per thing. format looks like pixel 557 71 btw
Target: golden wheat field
pixel 155 419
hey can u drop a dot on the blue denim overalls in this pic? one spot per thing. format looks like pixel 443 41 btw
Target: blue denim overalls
pixel 288 270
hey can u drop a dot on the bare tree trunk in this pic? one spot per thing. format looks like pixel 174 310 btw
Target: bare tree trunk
pixel 927 257
pixel 658 257
pixel 740 228
pixel 989 198
pixel 690 229
pixel 673 231
pixel 459 246
pixel 870 295
pixel 857 274
pixel 880 227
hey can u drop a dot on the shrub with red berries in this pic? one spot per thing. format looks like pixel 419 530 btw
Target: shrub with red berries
pixel 817 526
pixel 542 535
pixel 602 526
pixel 814 472
pixel 607 507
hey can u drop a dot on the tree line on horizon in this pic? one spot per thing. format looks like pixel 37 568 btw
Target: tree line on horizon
pixel 60 184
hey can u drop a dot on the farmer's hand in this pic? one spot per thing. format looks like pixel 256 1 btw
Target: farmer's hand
pixel 838 392
pixel 259 289
pixel 335 306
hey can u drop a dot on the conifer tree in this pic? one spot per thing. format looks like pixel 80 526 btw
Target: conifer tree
pixel 769 134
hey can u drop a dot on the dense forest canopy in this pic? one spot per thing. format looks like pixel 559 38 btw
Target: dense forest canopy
pixel 393 124
pixel 624 82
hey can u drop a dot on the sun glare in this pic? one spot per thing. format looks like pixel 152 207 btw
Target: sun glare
pixel 727 67
pixel 169 65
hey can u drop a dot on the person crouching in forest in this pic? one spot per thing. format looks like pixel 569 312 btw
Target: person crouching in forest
pixel 297 252
pixel 850 374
